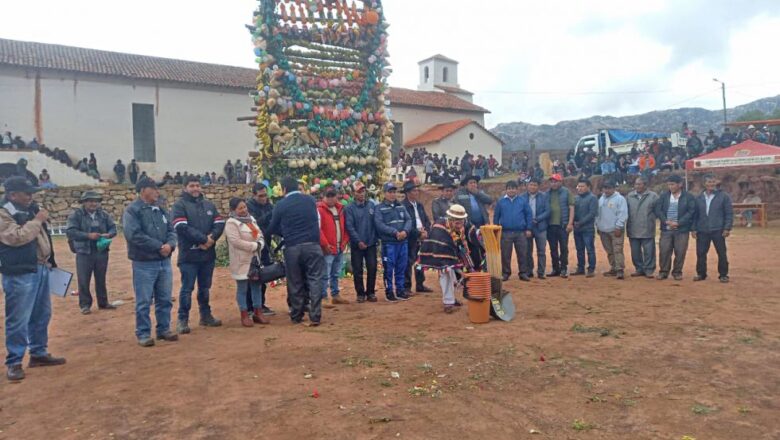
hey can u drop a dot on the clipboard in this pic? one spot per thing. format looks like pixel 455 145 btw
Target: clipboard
pixel 59 281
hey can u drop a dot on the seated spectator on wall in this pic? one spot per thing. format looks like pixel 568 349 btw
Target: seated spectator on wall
pixel 178 179
pixel 83 166
pixel 34 144
pixel 167 178
pixel 6 140
pixel 119 170
pixel 44 180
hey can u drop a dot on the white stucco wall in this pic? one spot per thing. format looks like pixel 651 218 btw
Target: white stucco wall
pixel 195 129
pixel 457 143
pixel 417 121
pixel 436 74
pixel 61 175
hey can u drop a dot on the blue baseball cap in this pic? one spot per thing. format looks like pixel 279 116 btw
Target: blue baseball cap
pixel 390 186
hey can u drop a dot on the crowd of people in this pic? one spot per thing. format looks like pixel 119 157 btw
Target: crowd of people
pixel 314 235
pixel 440 168
pixel 232 173
pixel 646 159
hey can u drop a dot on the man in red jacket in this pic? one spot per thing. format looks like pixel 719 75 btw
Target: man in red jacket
pixel 333 239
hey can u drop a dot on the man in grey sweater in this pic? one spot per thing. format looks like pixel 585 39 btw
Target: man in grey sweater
pixel 641 228
pixel 610 222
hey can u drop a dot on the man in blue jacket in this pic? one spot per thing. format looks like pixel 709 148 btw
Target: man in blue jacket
pixel 393 224
pixel 359 217
pixel 150 243
pixel 539 205
pixel 296 220
pixel 586 208
pixel 714 220
pixel 513 214
pixel 198 226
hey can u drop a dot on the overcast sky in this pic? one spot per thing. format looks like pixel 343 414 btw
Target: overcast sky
pixel 532 61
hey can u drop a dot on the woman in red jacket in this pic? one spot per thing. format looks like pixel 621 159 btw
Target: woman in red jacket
pixel 333 239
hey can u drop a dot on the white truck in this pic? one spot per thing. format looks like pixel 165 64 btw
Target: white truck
pixel 621 141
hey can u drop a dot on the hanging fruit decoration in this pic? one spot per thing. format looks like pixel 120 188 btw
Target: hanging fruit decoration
pixel 320 98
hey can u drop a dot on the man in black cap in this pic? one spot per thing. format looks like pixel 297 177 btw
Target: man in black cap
pixel 198 226
pixel 150 242
pixel 261 208
pixel 26 256
pixel 362 240
pixel 393 225
pixel 89 229
pixel 475 201
pixel 440 205
pixel 421 226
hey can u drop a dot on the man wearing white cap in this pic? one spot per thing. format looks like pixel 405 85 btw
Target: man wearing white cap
pixel 447 250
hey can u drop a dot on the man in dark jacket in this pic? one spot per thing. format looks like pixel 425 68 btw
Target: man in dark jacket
pixel 641 228
pixel 261 208
pixel 295 219
pixel 421 226
pixel 119 170
pixel 150 242
pixel 561 223
pixel 714 220
pixel 440 205
pixel 89 231
pixel 475 201
pixel 586 209
pixel 198 226
pixel 26 255
pixel 362 242
pixel 514 216
pixel 393 225
pixel 539 204
pixel 133 170
pixel 676 209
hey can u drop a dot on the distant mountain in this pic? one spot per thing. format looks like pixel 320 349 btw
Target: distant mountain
pixel 564 135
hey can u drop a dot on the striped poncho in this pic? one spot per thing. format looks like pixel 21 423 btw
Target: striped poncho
pixel 441 250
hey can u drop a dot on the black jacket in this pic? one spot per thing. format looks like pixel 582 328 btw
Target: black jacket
pixel 414 234
pixel 147 228
pixel 261 213
pixel 586 208
pixel 295 220
pixel 359 219
pixel 80 224
pixel 194 219
pixel 686 211
pixel 721 216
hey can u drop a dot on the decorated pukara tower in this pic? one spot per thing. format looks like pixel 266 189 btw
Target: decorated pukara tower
pixel 321 105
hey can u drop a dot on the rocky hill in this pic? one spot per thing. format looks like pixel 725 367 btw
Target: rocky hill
pixel 565 134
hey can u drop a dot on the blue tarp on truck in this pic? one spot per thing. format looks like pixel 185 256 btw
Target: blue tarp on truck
pixel 623 136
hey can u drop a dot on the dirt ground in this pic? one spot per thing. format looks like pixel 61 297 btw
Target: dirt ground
pixel 585 359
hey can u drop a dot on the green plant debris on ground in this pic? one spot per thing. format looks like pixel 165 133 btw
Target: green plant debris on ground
pixel 601 331
pixel 354 361
pixel 386 383
pixel 743 410
pixel 700 409
pixel 582 425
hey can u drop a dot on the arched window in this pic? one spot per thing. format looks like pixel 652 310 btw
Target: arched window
pixel 445 74
pixel 426 73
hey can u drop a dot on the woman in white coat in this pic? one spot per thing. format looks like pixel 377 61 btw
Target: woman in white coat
pixel 245 240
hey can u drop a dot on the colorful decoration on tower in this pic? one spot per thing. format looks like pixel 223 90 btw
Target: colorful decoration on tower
pixel 322 110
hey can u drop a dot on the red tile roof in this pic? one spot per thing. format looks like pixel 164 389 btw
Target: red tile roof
pixel 131 66
pixel 77 59
pixel 440 100
pixel 438 132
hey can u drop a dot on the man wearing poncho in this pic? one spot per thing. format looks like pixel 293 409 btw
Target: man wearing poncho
pixel 449 248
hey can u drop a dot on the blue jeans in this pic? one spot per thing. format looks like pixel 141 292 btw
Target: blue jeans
pixel 255 290
pixel 585 241
pixel 191 272
pixel 333 265
pixel 27 314
pixel 395 257
pixel 152 282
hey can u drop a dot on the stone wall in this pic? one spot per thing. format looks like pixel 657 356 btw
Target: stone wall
pixel 62 201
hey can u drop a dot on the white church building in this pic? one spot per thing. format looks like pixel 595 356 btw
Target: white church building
pixel 175 115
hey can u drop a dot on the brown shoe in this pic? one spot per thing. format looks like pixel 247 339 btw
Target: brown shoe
pixel 449 309
pixel 338 300
pixel 246 321
pixel 259 318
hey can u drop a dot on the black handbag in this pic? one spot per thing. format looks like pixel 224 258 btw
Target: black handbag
pixel 265 274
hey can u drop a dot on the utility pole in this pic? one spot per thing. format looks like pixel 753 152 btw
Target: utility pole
pixel 533 153
pixel 723 89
